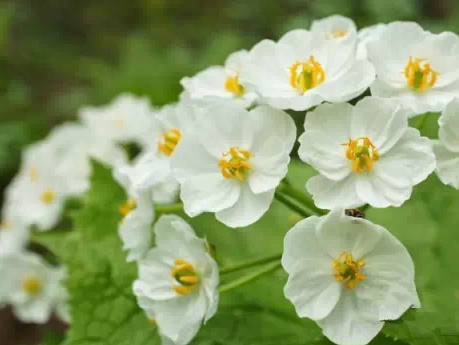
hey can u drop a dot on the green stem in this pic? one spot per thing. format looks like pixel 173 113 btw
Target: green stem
pixel 364 208
pixel 170 208
pixel 301 197
pixel 249 277
pixel 293 206
pixel 251 263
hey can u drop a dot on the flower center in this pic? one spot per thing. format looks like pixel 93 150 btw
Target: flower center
pixel 127 207
pixel 5 225
pixel 120 123
pixel 169 141
pixel 419 76
pixel 48 196
pixel 348 271
pixel 34 174
pixel 31 285
pixel 184 274
pixel 306 75
pixel 337 33
pixel 232 85
pixel 235 163
pixel 362 153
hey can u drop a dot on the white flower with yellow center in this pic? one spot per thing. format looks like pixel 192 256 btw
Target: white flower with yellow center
pixel 37 195
pixel 367 35
pixel 303 70
pixel 334 27
pixel 138 211
pixel 127 118
pixel 178 281
pixel 365 154
pixel 447 147
pixel 221 82
pixel 232 162
pixel 348 275
pixel 417 67
pixel 30 286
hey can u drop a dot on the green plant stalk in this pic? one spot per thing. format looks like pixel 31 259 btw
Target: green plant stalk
pixel 249 278
pixel 293 206
pixel 170 208
pixel 251 263
pixel 423 121
pixel 301 197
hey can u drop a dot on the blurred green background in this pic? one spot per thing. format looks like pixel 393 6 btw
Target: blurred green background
pixel 57 55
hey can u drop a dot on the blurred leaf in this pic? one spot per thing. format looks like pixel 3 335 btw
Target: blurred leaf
pixel 392 10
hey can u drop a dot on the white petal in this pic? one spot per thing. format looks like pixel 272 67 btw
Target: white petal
pixel 447 165
pixel 389 279
pixel 301 243
pixel 346 325
pixel 329 194
pixel 349 85
pixel 210 82
pixel 247 210
pixel 449 126
pixel 209 193
pixel 339 233
pixel 383 121
pixel 312 289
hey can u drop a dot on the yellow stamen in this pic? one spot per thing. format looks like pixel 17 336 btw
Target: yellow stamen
pixel 185 274
pixel 337 33
pixel 48 196
pixel 419 75
pixel 127 207
pixel 120 123
pixel 235 164
pixel 232 85
pixel 362 153
pixel 306 75
pixel 31 285
pixel 348 271
pixel 34 174
pixel 169 141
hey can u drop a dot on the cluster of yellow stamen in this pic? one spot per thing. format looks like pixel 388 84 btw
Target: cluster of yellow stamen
pixel 232 85
pixel 127 207
pixel 48 196
pixel 235 164
pixel 34 174
pixel 419 75
pixel 362 153
pixel 169 141
pixel 185 274
pixel 337 33
pixel 31 285
pixel 348 271
pixel 120 123
pixel 306 75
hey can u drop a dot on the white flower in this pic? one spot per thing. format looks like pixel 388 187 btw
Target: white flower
pixel 14 234
pixel 178 281
pixel 334 27
pixel 126 119
pixel 417 67
pixel 172 123
pixel 138 210
pixel 61 296
pixel 36 194
pixel 232 161
pixel 447 148
pixel 364 154
pixel 348 275
pixel 30 286
pixel 221 82
pixel 303 70
pixel 367 35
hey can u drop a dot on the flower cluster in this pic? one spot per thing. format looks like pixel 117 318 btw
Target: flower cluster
pixel 225 148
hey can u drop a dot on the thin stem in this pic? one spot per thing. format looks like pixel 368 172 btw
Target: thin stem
pixel 170 208
pixel 301 197
pixel 293 206
pixel 251 263
pixel 249 277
